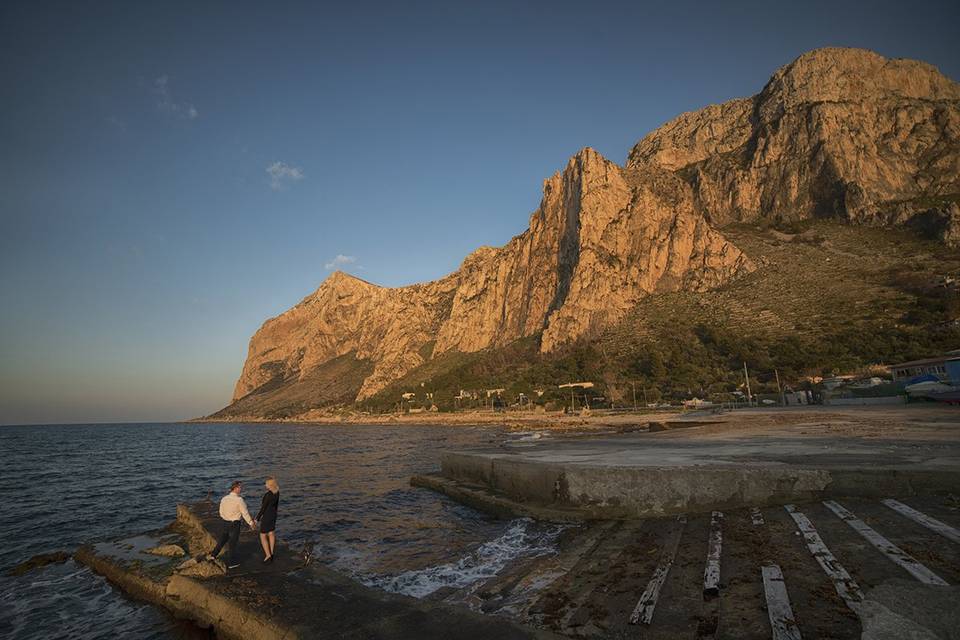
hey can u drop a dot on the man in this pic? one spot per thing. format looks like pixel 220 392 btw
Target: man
pixel 233 509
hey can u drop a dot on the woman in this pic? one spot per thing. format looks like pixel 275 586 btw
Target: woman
pixel 267 518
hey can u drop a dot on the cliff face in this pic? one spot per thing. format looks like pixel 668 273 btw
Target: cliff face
pixel 842 133
pixel 601 239
pixel 387 327
pixel 839 132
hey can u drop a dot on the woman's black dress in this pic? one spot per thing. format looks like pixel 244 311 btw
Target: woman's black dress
pixel 267 516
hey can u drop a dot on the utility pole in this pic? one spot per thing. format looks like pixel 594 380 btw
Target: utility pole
pixel 779 388
pixel 746 376
pixel 634 385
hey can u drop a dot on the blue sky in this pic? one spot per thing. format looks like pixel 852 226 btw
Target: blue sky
pixel 172 174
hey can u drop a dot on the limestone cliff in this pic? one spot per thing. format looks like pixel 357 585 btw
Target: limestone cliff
pixel 841 133
pixel 346 315
pixel 602 238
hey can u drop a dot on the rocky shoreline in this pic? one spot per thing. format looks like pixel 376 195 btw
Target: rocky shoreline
pixel 290 598
pixel 612 550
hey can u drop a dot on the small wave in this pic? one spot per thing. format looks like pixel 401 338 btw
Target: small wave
pixel 523 538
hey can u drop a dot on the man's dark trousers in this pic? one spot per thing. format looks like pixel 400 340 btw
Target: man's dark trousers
pixel 231 534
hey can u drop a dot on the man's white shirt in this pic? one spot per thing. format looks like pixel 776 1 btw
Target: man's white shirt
pixel 233 507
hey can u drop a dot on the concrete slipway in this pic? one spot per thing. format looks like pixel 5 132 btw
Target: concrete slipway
pixel 706 532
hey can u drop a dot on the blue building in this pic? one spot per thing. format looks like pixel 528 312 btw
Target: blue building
pixel 945 367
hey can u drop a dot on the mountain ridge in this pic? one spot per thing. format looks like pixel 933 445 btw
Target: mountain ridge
pixel 837 132
pixel 606 236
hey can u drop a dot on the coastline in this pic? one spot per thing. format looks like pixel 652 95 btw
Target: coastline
pixel 622 510
pixel 516 420
pixel 876 421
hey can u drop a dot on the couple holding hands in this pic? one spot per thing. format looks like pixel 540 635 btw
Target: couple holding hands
pixel 233 511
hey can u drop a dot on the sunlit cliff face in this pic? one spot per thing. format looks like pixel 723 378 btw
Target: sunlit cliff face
pixel 840 133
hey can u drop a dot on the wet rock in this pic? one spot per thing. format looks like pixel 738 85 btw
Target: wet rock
pixel 40 560
pixel 658 426
pixel 167 551
pixel 201 568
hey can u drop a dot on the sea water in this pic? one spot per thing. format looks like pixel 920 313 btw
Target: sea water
pixel 344 492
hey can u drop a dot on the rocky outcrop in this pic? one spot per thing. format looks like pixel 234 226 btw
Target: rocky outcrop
pixel 601 239
pixel 843 133
pixel 388 327
pixel 639 233
pixel 840 133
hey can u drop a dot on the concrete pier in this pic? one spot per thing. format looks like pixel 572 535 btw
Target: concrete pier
pixel 636 475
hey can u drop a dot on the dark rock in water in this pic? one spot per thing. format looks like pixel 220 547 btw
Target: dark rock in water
pixel 40 560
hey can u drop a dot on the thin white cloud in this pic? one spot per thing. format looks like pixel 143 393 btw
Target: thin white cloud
pixel 166 103
pixel 116 123
pixel 282 174
pixel 340 261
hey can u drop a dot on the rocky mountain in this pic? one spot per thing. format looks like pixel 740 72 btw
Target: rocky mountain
pixel 839 133
pixel 602 239
pixel 842 133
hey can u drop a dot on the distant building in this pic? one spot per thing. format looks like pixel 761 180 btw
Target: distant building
pixel 866 383
pixel 945 367
pixel 837 381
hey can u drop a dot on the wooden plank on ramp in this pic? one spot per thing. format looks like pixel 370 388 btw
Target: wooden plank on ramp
pixel 711 574
pixel 933 524
pixel 778 604
pixel 643 612
pixel 846 587
pixel 887 548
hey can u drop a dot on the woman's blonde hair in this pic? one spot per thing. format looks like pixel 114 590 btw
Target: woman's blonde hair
pixel 272 484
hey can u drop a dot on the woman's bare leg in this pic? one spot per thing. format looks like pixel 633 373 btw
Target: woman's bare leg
pixel 273 542
pixel 265 543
